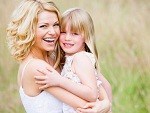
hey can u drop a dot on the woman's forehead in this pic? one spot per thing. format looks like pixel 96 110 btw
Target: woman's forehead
pixel 46 16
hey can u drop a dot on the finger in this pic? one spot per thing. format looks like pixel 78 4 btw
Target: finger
pixel 103 110
pixel 43 87
pixel 78 111
pixel 50 69
pixel 41 71
pixel 110 111
pixel 52 72
pixel 40 77
pixel 89 110
pixel 40 82
pixel 89 105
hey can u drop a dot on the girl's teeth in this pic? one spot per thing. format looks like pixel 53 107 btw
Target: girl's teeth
pixel 69 45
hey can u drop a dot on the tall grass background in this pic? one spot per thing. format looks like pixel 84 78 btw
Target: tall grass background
pixel 123 39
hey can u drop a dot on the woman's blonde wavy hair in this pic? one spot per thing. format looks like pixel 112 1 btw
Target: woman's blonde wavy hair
pixel 21 29
pixel 81 22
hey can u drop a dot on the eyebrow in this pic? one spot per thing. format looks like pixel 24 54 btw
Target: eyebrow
pixel 56 22
pixel 47 22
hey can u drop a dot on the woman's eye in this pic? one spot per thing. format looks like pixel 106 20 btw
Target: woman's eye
pixel 43 26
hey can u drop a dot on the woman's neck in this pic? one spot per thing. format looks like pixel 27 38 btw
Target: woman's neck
pixel 35 53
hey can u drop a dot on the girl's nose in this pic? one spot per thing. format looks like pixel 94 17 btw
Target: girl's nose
pixel 67 37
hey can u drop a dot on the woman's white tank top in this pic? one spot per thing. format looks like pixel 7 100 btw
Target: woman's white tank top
pixel 42 103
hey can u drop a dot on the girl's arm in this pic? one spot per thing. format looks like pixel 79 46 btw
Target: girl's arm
pixel 83 67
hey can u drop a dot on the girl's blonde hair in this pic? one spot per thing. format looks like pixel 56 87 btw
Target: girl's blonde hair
pixel 21 29
pixel 81 22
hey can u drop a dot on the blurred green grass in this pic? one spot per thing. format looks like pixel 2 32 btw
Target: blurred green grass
pixel 122 29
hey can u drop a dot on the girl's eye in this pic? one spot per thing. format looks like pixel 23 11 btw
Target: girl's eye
pixel 75 34
pixel 63 32
pixel 57 25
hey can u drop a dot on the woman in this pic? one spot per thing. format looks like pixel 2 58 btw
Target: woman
pixel 32 37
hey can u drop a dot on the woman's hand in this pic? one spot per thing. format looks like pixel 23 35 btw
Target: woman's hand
pixel 102 106
pixel 50 78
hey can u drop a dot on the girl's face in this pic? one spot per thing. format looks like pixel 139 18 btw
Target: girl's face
pixel 71 42
pixel 47 31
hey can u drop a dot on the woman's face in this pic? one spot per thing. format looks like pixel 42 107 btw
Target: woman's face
pixel 47 31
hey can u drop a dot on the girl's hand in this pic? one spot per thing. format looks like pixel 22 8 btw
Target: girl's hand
pixel 49 78
pixel 103 106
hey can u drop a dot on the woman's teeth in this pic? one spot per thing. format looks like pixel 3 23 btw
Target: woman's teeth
pixel 49 39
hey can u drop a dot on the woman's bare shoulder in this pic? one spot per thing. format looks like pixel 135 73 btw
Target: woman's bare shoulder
pixel 30 66
pixel 38 63
pixel 27 72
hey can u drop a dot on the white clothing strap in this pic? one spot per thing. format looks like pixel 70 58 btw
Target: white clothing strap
pixel 25 68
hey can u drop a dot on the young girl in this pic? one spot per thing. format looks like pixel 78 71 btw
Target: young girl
pixel 81 59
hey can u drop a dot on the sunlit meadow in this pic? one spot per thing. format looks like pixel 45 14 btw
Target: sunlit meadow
pixel 123 39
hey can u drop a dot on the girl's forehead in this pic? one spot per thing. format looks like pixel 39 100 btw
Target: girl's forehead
pixel 72 27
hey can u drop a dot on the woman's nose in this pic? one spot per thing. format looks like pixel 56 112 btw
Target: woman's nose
pixel 51 31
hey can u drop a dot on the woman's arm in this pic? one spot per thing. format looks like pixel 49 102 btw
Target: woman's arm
pixel 102 105
pixel 106 86
pixel 99 106
pixel 66 97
